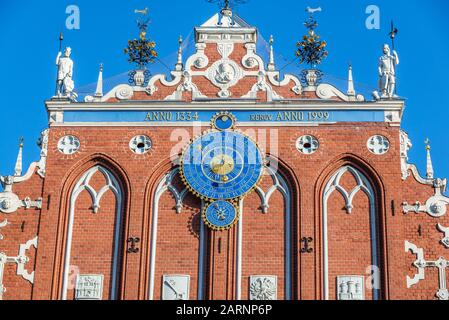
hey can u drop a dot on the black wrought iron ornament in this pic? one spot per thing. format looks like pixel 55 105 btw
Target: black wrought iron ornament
pixel 311 49
pixel 142 51
pixel 307 241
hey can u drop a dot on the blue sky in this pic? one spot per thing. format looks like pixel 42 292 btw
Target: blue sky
pixel 29 45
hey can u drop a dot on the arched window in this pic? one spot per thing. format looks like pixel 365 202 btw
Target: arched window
pixel 97 183
pixel 352 225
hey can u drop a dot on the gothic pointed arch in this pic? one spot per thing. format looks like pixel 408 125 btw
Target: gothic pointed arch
pixel 350 205
pixel 174 217
pixel 92 224
pixel 268 235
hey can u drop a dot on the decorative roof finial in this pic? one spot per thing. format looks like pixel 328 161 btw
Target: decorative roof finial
pixel 99 91
pixel 429 171
pixel 351 89
pixel 226 6
pixel 271 64
pixel 18 167
pixel 179 62
pixel 141 51
pixel 311 49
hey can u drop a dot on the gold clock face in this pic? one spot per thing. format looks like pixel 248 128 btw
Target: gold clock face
pixel 222 164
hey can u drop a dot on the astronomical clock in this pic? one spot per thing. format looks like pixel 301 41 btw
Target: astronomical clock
pixel 222 166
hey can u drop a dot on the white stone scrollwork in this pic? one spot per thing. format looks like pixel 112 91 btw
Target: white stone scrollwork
pixel 327 91
pixel 406 145
pixel 262 85
pixel 151 89
pixel 273 77
pixel 20 260
pixel 351 288
pixel 186 85
pixel 10 203
pixel 263 288
pixel 89 287
pixel 43 144
pixel 251 59
pixel 421 264
pixel 445 230
pixel 124 92
pixel 435 206
pixel 199 60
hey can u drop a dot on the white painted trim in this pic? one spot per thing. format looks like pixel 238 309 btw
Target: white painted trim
pixel 365 186
pixel 282 186
pixel 164 186
pixel 82 185
pixel 228 105
pixel 202 256
pixel 239 252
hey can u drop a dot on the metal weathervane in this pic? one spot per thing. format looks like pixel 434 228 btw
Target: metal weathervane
pixel 141 51
pixel 311 49
pixel 228 4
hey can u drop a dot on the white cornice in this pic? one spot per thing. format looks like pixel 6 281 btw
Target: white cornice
pixel 396 105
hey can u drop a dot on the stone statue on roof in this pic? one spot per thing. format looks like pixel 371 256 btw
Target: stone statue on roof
pixel 65 83
pixel 387 72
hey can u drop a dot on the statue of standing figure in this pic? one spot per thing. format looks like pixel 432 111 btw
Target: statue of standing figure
pixel 65 84
pixel 387 72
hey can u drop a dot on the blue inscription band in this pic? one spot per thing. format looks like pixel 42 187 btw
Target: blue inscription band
pixel 252 116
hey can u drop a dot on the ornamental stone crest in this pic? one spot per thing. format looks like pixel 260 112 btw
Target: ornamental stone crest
pixel 263 288
pixel 224 74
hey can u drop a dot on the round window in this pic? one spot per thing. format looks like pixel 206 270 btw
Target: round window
pixel 69 145
pixel 140 144
pixel 307 144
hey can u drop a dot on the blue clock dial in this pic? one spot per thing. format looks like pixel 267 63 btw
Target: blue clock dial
pixel 222 165
pixel 220 215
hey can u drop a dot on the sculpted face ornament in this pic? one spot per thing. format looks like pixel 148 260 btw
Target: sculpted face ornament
pixel 225 73
pixel 5 204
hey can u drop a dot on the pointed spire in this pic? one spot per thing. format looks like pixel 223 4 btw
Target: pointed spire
pixel 99 91
pixel 429 171
pixel 351 90
pixel 179 65
pixel 18 168
pixel 271 64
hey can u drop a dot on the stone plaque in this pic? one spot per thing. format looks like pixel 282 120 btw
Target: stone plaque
pixel 176 287
pixel 351 288
pixel 263 288
pixel 89 287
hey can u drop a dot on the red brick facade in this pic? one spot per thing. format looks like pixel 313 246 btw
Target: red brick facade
pixel 266 242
